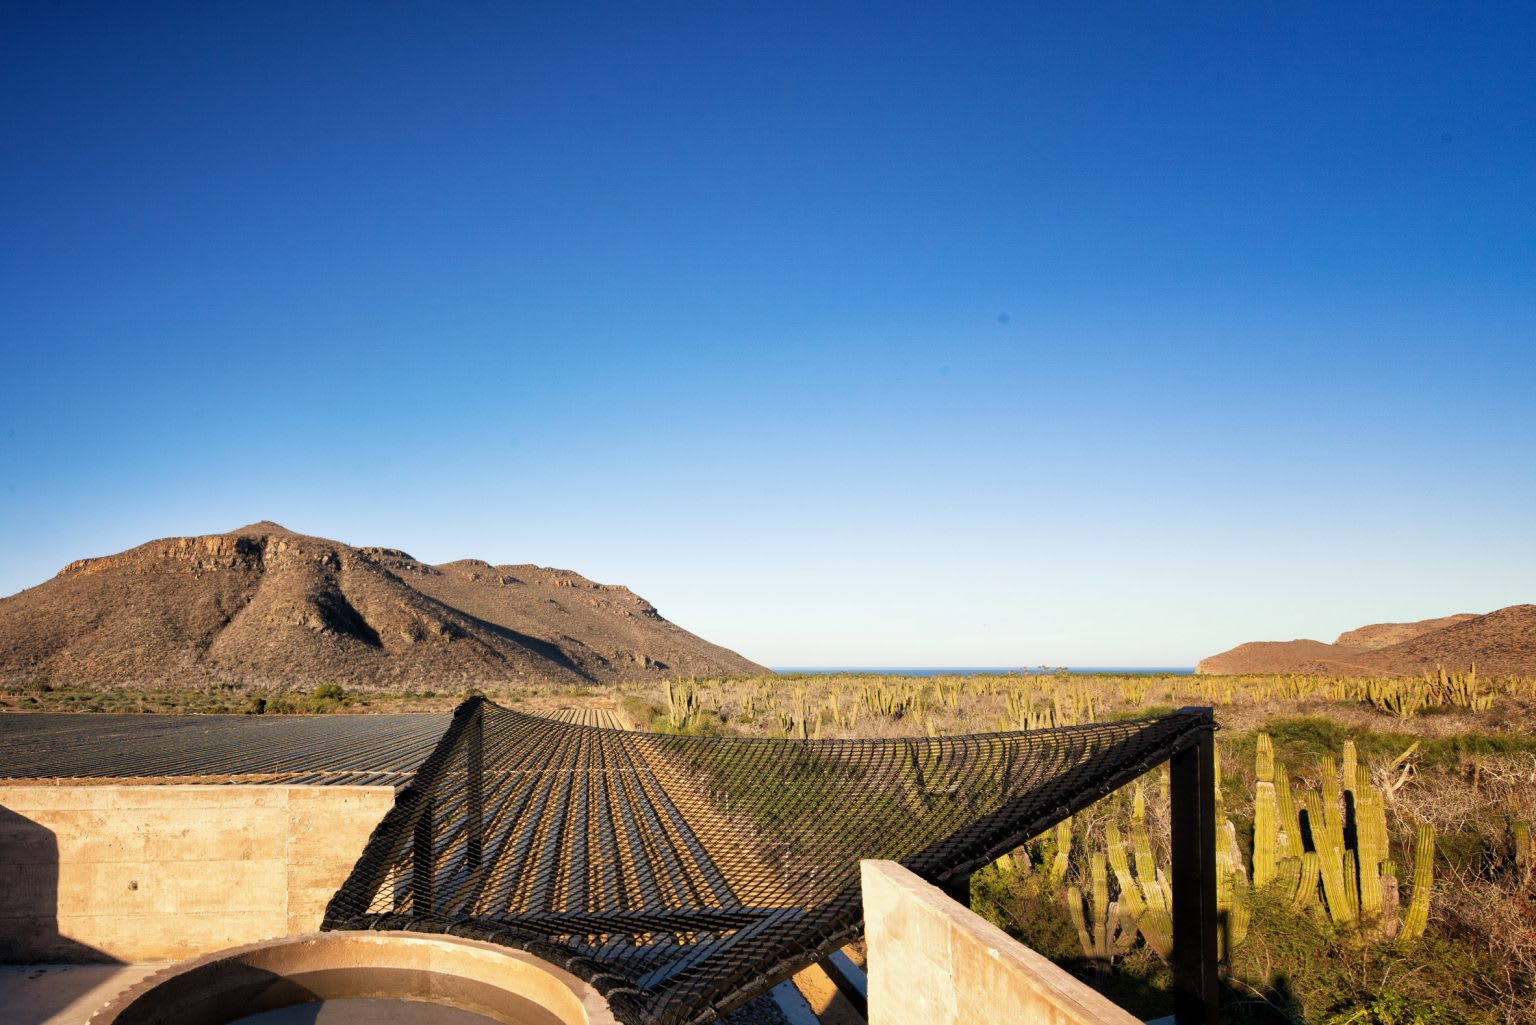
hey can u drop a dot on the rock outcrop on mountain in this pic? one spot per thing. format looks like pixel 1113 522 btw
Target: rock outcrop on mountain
pixel 264 606
pixel 1501 643
pixel 1384 635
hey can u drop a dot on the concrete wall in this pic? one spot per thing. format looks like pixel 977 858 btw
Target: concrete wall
pixel 141 873
pixel 934 962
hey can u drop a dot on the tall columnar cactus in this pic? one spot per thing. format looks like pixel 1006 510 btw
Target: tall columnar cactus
pixel 1327 834
pixel 1371 845
pixel 1266 813
pixel 802 714
pixel 1231 890
pixel 1144 894
pixel 1288 843
pixel 1058 870
pixel 1309 869
pixel 1417 915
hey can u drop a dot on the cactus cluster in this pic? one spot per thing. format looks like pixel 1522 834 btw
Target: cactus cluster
pixel 1406 698
pixel 844 717
pixel 1135 691
pixel 1068 704
pixel 799 721
pixel 683 703
pixel 1327 850
pixel 893 700
pixel 1102 932
pixel 1330 848
pixel 1041 700
pixel 1145 893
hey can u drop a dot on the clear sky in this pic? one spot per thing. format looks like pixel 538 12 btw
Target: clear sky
pixel 907 335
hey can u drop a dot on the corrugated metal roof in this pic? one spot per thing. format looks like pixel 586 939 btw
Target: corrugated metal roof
pixel 378 750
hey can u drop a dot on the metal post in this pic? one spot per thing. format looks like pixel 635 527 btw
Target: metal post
pixel 422 900
pixel 856 994
pixel 1192 810
pixel 474 771
pixel 958 889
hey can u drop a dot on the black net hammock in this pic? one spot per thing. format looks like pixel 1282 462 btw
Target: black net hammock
pixel 682 876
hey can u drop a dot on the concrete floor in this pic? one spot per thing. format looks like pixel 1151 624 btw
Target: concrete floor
pixel 65 994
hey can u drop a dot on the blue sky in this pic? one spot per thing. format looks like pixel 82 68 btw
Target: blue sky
pixel 905 335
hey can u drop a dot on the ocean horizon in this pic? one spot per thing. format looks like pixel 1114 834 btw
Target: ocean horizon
pixel 984 670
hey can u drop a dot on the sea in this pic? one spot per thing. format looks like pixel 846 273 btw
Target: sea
pixel 986 670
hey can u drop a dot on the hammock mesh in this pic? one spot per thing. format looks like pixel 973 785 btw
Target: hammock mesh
pixel 682 876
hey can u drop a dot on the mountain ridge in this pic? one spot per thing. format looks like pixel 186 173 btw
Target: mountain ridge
pixel 1500 643
pixel 266 606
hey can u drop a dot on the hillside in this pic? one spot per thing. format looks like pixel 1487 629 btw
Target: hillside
pixel 1384 635
pixel 1500 643
pixel 264 606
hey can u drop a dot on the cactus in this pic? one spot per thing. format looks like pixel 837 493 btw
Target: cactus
pixel 1288 842
pixel 1328 844
pixel 1370 827
pixel 1231 891
pixel 1145 894
pixel 1306 883
pixel 682 703
pixel 834 708
pixel 802 715
pixel 1021 710
pixel 1264 759
pixel 1525 852
pixel 1104 936
pixel 1339 839
pixel 1417 915
pixel 1058 870
pixel 1266 827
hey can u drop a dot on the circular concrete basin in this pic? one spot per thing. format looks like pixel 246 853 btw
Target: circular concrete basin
pixel 503 985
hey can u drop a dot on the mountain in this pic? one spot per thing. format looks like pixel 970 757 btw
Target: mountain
pixel 264 606
pixel 1501 643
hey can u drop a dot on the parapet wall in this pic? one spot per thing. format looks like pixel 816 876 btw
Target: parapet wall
pixel 935 962
pixel 148 873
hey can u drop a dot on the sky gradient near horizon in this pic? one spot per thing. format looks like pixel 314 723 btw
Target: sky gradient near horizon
pixel 1095 335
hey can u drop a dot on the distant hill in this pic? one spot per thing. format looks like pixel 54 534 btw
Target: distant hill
pixel 1500 643
pixel 265 606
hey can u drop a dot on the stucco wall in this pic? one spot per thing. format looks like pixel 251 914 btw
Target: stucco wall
pixel 934 962
pixel 139 873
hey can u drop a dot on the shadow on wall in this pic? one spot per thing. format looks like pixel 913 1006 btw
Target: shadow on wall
pixel 29 898
pixel 29 909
